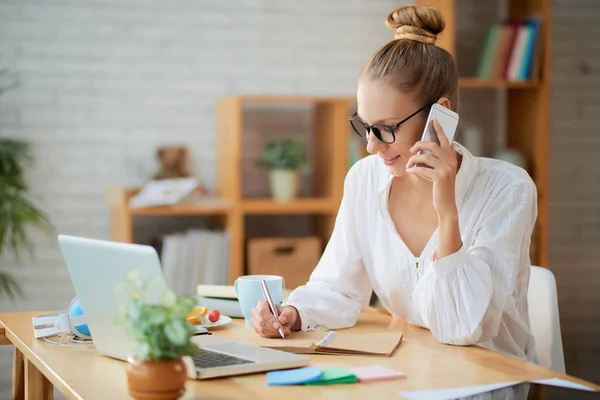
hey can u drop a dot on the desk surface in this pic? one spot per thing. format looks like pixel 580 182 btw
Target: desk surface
pixel 83 374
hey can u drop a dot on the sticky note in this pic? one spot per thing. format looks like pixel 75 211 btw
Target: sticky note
pixel 332 376
pixel 296 376
pixel 374 373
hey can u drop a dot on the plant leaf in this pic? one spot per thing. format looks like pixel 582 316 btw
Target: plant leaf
pixel 169 299
pixel 9 285
pixel 176 332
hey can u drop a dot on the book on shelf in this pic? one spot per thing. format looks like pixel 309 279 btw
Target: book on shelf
pixel 198 256
pixel 167 192
pixel 510 50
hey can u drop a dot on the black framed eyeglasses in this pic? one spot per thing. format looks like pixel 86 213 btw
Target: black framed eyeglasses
pixel 385 133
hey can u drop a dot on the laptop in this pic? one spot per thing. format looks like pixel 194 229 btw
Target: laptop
pixel 97 266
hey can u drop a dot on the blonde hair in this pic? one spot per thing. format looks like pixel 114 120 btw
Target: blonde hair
pixel 412 62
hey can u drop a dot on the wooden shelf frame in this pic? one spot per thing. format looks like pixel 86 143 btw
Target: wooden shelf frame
pixel 527 123
pixel 527 105
pixel 468 82
pixel 330 115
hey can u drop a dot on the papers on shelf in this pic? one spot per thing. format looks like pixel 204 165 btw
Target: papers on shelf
pixel 166 192
pixel 198 256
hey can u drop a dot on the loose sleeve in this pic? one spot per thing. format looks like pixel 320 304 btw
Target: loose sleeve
pixel 339 287
pixel 461 297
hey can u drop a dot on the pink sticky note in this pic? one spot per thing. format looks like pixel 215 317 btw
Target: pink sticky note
pixel 374 373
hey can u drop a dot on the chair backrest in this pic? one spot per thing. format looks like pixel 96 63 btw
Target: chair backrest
pixel 543 319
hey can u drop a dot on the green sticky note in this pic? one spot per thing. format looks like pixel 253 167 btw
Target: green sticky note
pixel 332 376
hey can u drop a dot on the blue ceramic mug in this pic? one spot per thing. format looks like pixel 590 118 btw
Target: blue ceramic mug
pixel 247 289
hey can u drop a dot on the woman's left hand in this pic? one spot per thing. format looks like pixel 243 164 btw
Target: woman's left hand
pixel 442 166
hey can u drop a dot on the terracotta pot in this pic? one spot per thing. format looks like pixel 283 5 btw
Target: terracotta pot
pixel 156 380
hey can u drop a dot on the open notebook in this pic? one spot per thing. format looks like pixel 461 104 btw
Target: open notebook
pixel 336 342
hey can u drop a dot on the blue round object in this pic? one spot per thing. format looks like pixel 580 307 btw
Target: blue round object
pixel 76 310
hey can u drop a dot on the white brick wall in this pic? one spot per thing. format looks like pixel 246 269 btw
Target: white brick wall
pixel 103 83
pixel 574 181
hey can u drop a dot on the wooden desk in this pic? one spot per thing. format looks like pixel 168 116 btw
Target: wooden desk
pixel 83 374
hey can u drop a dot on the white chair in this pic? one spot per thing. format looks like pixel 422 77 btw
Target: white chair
pixel 543 319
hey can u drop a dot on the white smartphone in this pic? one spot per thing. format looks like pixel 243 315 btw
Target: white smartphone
pixel 447 118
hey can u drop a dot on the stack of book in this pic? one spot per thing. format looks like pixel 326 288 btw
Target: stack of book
pixel 198 256
pixel 510 51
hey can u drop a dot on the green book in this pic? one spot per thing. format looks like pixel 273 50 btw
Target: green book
pixel 489 48
pixel 333 376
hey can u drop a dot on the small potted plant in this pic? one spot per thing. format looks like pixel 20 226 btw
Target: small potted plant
pixel 161 333
pixel 284 158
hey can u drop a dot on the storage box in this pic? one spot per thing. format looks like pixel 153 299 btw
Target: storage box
pixel 292 258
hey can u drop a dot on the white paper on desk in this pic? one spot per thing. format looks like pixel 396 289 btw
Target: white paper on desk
pixel 563 383
pixel 454 393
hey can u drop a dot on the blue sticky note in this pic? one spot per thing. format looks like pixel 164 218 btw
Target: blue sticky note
pixel 296 376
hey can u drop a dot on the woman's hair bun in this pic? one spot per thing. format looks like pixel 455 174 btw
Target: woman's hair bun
pixel 419 23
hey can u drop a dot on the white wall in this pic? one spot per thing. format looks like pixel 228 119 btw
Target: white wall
pixel 102 83
pixel 575 181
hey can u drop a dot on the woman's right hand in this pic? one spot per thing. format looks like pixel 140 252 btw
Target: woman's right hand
pixel 266 325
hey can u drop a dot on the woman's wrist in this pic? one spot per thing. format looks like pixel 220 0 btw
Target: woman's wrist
pixel 449 241
pixel 297 325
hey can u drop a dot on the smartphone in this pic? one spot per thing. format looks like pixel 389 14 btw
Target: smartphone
pixel 447 118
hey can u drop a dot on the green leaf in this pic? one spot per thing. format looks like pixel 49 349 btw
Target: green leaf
pixel 18 213
pixel 143 351
pixel 284 153
pixel 176 332
pixel 155 315
pixel 169 299
pixel 10 286
pixel 160 330
pixel 134 311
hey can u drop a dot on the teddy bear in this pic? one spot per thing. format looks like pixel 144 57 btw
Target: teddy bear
pixel 174 163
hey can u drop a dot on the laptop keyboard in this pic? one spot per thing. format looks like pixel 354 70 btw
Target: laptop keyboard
pixel 211 359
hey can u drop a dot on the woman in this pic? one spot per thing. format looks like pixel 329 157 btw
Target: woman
pixel 446 245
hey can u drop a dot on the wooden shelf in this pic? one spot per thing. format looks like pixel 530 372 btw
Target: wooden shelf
pixel 297 206
pixel 467 82
pixel 208 207
pixel 526 121
pixel 279 99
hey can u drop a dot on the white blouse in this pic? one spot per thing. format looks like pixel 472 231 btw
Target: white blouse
pixel 477 295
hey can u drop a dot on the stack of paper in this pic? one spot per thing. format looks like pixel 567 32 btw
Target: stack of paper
pixel 198 256
pixel 166 192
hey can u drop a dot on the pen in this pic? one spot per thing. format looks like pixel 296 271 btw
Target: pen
pixel 267 296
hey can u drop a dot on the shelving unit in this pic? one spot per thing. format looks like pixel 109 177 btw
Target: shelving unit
pixel 330 130
pixel 466 82
pixel 527 105
pixel 527 131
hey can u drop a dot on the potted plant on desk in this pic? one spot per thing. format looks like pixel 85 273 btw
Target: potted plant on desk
pixel 161 333
pixel 284 158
